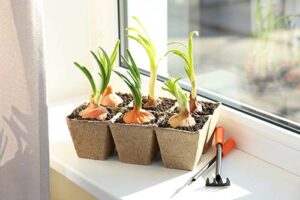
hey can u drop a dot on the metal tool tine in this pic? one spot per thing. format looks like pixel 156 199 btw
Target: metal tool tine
pixel 217 183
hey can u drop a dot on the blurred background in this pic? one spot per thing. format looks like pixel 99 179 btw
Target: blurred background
pixel 247 51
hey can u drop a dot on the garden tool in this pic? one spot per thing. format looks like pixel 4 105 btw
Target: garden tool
pixel 218 181
pixel 228 146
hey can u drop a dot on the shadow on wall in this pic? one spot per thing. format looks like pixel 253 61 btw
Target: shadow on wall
pixel 23 108
pixel 11 170
pixel 3 144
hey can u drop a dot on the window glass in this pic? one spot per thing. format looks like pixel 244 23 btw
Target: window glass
pixel 248 51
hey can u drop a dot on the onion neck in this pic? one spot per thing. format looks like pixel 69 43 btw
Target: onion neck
pixel 153 78
pixel 108 91
pixel 185 113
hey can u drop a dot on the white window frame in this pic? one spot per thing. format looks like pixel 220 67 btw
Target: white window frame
pixel 267 141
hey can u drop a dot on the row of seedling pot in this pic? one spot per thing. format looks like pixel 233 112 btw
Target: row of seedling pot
pixel 137 127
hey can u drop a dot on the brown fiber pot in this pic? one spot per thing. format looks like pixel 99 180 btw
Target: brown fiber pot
pixel 181 149
pixel 91 139
pixel 213 120
pixel 135 144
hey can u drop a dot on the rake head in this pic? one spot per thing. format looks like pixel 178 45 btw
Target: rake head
pixel 217 182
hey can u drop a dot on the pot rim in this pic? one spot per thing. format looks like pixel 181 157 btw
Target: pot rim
pixel 184 131
pixel 135 125
pixel 89 121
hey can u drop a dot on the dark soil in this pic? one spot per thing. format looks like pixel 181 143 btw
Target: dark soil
pixel 75 113
pixel 200 121
pixel 127 98
pixel 208 108
pixel 162 104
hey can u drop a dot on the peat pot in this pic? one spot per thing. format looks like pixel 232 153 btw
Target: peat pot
pixel 181 149
pixel 91 138
pixel 135 144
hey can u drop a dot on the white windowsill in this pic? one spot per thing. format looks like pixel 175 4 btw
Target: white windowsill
pixel 265 164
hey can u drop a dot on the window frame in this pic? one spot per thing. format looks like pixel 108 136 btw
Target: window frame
pixel 230 103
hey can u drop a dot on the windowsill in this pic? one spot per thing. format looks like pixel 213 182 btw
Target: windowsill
pixel 251 177
pixel 252 167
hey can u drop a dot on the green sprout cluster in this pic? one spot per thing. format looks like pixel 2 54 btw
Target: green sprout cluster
pixel 106 65
pixel 174 89
pixel 134 82
pixel 187 57
pixel 141 36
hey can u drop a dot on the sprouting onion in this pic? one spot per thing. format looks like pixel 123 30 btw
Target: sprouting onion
pixel 183 118
pixel 189 67
pixel 141 36
pixel 137 114
pixel 103 94
pixel 93 110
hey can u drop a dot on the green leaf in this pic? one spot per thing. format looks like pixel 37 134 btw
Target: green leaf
pixel 148 50
pixel 142 27
pixel 102 60
pixel 190 49
pixel 180 54
pixel 173 88
pixel 108 71
pixel 135 30
pixel 134 70
pixel 134 83
pixel 141 36
pixel 102 70
pixel 179 43
pixel 113 56
pixel 187 71
pixel 88 75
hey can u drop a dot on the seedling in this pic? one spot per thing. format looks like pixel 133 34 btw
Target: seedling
pixel 189 67
pixel 183 118
pixel 141 36
pixel 103 94
pixel 137 115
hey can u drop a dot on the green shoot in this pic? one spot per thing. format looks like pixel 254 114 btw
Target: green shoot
pixel 189 61
pixel 112 57
pixel 88 75
pixel 183 118
pixel 105 70
pixel 174 89
pixel 134 82
pixel 141 36
pixel 106 65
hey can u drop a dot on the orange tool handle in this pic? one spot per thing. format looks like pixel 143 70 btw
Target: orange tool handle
pixel 228 146
pixel 219 137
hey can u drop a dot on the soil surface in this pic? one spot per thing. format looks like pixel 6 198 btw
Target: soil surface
pixel 127 98
pixel 200 121
pixel 162 104
pixel 161 112
pixel 208 108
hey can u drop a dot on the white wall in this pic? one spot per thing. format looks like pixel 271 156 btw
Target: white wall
pixel 72 29
pixel 24 159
